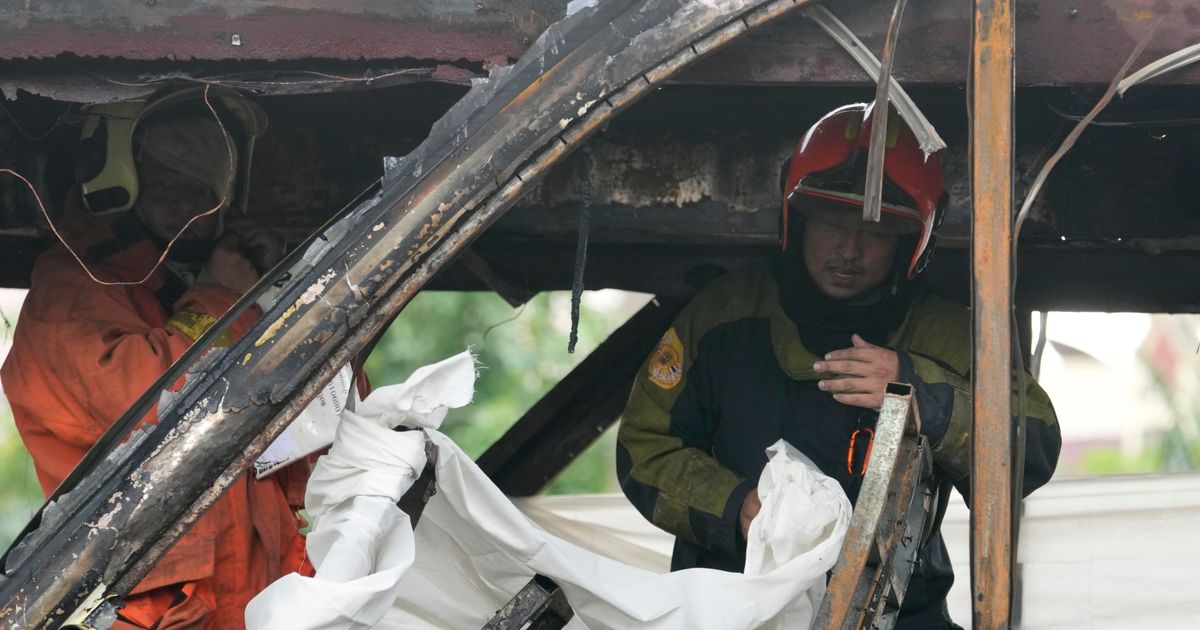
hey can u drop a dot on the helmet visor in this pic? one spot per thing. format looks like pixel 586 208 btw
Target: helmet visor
pixel 845 210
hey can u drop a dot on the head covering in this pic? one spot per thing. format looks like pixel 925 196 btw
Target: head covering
pixel 197 148
pixel 828 168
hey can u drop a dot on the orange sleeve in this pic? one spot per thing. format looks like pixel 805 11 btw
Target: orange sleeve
pixel 93 347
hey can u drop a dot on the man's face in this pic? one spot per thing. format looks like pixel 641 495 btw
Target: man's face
pixel 844 260
pixel 167 200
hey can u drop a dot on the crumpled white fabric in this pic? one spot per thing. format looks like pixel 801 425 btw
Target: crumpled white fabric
pixel 473 549
pixel 798 513
pixel 793 518
pixel 361 543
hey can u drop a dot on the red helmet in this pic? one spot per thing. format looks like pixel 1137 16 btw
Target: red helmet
pixel 830 163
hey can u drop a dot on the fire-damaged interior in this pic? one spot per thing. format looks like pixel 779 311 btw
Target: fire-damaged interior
pixel 678 189
pixel 684 185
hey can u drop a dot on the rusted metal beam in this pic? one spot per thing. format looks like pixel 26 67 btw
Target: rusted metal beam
pixel 579 408
pixel 477 160
pixel 1062 42
pixel 1067 41
pixel 991 293
pixel 480 31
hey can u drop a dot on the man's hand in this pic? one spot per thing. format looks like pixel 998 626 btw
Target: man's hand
pixel 229 267
pixel 860 373
pixel 750 508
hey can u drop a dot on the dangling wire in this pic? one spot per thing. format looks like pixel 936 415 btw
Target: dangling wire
pixel 487 331
pixel 58 122
pixel 166 250
pixel 585 221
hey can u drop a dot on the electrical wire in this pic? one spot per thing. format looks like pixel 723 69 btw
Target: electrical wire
pixel 231 80
pixel 1018 469
pixel 1073 136
pixel 1035 361
pixel 28 136
pixel 1159 122
pixel 489 329
pixel 120 429
pixel 171 243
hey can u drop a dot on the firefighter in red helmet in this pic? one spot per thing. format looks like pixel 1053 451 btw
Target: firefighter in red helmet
pixel 828 170
pixel 802 348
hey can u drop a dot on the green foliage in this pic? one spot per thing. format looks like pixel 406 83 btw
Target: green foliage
pixel 1166 455
pixel 1111 461
pixel 20 494
pixel 522 354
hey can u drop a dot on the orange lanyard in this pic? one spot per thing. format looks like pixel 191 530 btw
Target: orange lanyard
pixel 850 451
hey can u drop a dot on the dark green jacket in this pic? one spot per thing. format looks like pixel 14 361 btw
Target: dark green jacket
pixel 731 377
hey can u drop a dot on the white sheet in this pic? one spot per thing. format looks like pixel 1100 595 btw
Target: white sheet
pixel 473 549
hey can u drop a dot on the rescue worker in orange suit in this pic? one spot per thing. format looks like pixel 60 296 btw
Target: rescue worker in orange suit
pixel 802 349
pixel 84 351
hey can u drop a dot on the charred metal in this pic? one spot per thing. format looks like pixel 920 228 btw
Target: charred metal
pixel 684 185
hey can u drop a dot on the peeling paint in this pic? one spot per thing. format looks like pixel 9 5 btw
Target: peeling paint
pixel 105 521
pixel 276 325
pixel 309 296
pixel 315 290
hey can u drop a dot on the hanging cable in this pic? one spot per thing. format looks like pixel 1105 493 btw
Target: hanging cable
pixel 1019 429
pixel 171 243
pixel 585 222
pixel 489 329
pixel 1035 362
pixel 58 122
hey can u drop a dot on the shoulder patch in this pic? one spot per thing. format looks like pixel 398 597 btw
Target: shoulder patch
pixel 666 364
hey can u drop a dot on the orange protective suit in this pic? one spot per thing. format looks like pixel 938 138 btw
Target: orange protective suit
pixel 82 353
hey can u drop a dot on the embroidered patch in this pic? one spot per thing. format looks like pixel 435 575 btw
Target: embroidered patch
pixel 666 365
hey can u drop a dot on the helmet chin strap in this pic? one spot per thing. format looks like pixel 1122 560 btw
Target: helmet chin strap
pixel 898 275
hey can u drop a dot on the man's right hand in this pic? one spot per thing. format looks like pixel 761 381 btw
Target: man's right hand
pixel 750 507
pixel 229 267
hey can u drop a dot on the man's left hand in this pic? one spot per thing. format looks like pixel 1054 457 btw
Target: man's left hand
pixel 860 373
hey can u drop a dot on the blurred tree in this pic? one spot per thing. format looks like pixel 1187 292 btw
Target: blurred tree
pixel 20 494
